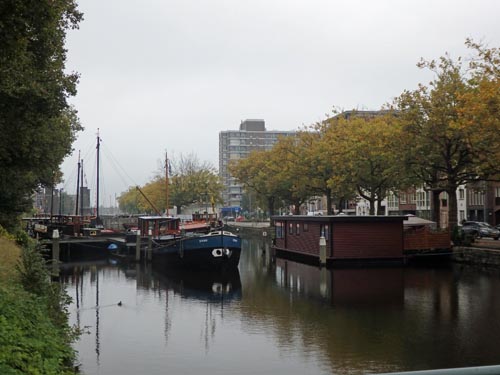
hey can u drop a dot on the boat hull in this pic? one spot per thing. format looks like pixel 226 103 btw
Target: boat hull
pixel 202 252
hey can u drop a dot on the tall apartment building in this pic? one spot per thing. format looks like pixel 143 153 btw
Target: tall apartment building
pixel 237 144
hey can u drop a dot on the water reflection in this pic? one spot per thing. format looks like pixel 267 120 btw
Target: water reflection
pixel 279 316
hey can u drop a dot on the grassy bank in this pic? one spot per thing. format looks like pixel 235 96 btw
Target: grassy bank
pixel 34 334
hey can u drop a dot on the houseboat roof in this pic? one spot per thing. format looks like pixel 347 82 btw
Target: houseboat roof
pixel 339 218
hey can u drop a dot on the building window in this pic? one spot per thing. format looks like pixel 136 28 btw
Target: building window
pixel 290 228
pixel 297 228
pixel 423 200
pixel 402 198
pixel 462 215
pixel 413 198
pixel 392 201
pixel 461 194
pixel 305 227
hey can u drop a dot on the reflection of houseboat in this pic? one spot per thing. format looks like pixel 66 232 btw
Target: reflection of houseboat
pixel 190 244
pixel 202 285
pixel 345 239
pixel 348 287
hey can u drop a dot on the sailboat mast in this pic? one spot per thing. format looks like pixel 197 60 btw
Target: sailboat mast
pixel 81 188
pixel 77 185
pixel 97 195
pixel 166 180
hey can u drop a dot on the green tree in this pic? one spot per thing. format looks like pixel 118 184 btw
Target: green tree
pixel 451 128
pixel 191 182
pixel 289 169
pixel 37 123
pixel 367 156
pixel 255 173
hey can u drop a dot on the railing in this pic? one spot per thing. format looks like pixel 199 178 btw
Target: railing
pixel 424 238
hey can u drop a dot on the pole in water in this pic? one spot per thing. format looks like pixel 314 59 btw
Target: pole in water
pixel 138 246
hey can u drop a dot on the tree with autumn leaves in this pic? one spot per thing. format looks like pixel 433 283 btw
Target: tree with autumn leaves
pixel 438 136
pixel 190 181
pixel 452 126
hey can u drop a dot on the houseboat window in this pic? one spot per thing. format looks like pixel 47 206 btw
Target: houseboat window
pixel 279 229
pixel 297 228
pixel 290 228
pixel 323 231
pixel 305 227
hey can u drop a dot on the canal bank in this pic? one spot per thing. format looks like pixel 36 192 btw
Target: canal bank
pixel 483 252
pixel 34 333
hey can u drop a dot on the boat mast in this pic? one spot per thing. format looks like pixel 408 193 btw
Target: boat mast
pixel 97 196
pixel 166 179
pixel 147 199
pixel 81 188
pixel 77 184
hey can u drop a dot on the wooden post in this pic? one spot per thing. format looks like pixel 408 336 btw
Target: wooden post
pixel 150 245
pixel 55 252
pixel 322 251
pixel 138 246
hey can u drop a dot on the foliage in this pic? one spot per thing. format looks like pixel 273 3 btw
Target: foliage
pixel 366 154
pixel 37 123
pixel 34 334
pixel 30 342
pixel 9 256
pixel 256 175
pixel 452 128
pixel 460 238
pixel 191 182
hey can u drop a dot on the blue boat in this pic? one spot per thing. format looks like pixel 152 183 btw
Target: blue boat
pixel 179 244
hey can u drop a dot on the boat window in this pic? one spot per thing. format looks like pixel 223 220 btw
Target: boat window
pixel 324 231
pixel 279 229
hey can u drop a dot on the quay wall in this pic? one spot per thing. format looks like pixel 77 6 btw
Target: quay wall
pixel 476 256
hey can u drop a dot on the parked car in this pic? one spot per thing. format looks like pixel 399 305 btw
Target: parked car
pixel 480 229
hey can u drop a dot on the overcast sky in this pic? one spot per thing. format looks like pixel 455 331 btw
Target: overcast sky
pixel 169 75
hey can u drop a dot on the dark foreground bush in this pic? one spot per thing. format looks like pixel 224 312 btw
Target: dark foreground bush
pixel 35 337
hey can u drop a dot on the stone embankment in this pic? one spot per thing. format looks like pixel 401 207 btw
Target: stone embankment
pixel 261 228
pixel 483 252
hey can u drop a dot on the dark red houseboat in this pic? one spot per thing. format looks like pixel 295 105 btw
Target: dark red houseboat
pixel 345 239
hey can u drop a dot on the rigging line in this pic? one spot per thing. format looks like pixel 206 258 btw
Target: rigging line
pixel 118 166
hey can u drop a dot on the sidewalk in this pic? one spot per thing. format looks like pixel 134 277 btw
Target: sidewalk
pixel 487 243
pixel 249 224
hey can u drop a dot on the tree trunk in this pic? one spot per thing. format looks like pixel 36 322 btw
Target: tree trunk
pixel 270 205
pixel 296 210
pixel 380 212
pixel 341 205
pixel 452 208
pixel 372 206
pixel 329 202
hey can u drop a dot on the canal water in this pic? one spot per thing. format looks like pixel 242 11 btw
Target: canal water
pixel 276 316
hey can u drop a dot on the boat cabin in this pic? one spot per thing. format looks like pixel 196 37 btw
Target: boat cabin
pixel 161 226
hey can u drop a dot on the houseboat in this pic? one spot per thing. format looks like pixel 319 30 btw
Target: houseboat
pixel 340 239
pixel 190 244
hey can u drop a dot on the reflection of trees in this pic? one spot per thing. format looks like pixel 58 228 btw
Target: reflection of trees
pixel 351 320
pixel 301 321
pixel 374 319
